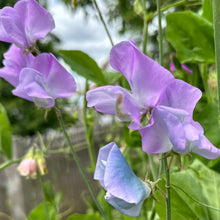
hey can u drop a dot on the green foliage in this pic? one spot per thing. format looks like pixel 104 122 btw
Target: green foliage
pixel 192 190
pixel 192 36
pixel 84 65
pixel 207 12
pixel 38 213
pixel 132 138
pixel 85 217
pixel 5 134
pixel 207 114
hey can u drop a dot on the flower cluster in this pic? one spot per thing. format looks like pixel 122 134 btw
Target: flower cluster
pixel 40 79
pixel 159 106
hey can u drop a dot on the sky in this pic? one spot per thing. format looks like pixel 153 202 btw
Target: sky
pixel 78 33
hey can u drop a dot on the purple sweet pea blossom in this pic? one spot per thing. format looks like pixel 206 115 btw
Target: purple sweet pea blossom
pixel 44 81
pixel 166 103
pixel 172 127
pixel 147 80
pixel 14 61
pixel 24 24
pixel 124 190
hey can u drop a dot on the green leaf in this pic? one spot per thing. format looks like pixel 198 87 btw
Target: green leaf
pixel 111 77
pixel 5 134
pixel 207 11
pixel 138 7
pixel 201 185
pixel 207 116
pixel 83 65
pixel 192 36
pixel 85 217
pixel 38 213
pixel 132 138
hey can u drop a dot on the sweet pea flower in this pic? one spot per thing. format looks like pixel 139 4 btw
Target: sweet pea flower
pixel 14 61
pixel 125 191
pixel 28 168
pixel 166 104
pixel 171 126
pixel 25 23
pixel 44 81
pixel 147 80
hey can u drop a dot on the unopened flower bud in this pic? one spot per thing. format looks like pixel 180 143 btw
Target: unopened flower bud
pixel 28 168
pixel 41 165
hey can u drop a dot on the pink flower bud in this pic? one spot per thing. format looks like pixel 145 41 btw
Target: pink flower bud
pixel 28 168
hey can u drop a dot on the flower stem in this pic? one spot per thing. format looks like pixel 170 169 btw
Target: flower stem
pixel 88 131
pixel 79 165
pixel 175 4
pixel 44 193
pixel 216 21
pixel 145 29
pixel 103 22
pixel 160 33
pixel 8 163
pixel 168 204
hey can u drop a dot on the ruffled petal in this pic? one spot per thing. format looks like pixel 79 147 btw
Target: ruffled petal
pixel 155 137
pixel 13 63
pixel 198 143
pixel 130 209
pixel 173 118
pixel 147 78
pixel 31 85
pixel 27 22
pixel 101 162
pixel 114 100
pixel 121 182
pixel 58 82
pixel 104 98
pixel 13 24
pixel 181 95
pixel 39 21
pixel 3 34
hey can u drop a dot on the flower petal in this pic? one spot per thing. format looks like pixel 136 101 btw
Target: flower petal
pixel 31 85
pixel 181 95
pixel 27 22
pixel 13 63
pixel 147 78
pixel 101 162
pixel 14 25
pixel 130 209
pixel 121 182
pixel 105 98
pixel 155 137
pixel 3 34
pixel 58 82
pixel 198 143
pixel 39 21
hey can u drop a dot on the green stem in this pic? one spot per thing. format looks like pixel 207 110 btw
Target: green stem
pixel 160 33
pixel 8 163
pixel 80 167
pixel 205 76
pixel 145 29
pixel 103 22
pixel 168 204
pixel 153 167
pixel 175 4
pixel 216 20
pixel 88 131
pixel 44 193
